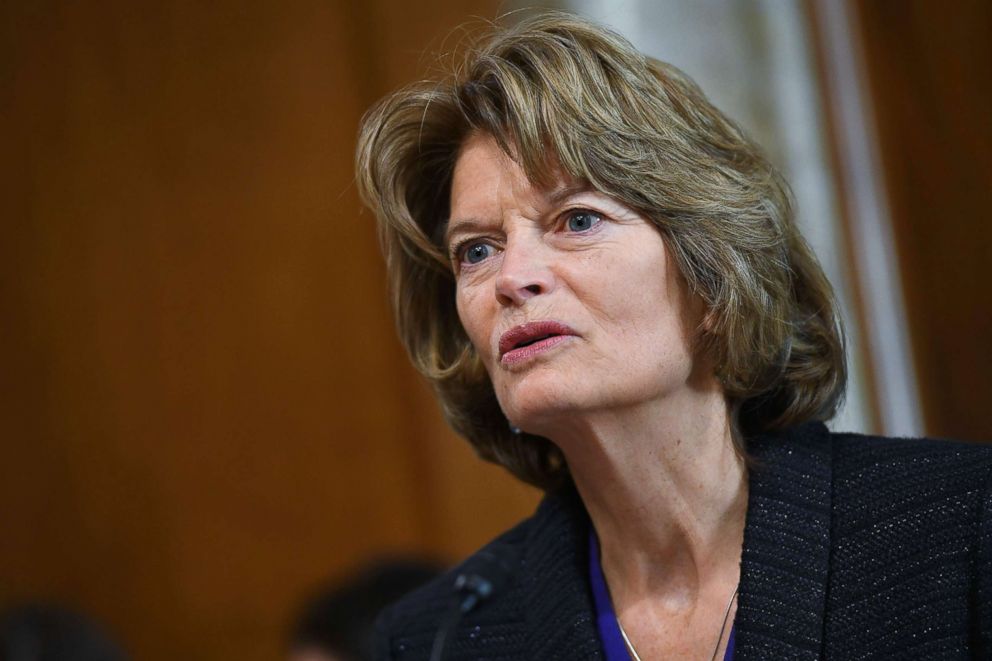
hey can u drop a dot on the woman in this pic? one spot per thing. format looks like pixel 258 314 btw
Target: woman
pixel 603 279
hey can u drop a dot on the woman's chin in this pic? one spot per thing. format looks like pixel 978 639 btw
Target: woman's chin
pixel 538 412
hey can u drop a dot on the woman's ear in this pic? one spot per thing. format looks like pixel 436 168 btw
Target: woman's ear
pixel 707 320
pixel 706 339
pixel 704 317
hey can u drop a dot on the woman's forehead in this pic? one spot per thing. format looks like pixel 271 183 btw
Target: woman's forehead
pixel 482 161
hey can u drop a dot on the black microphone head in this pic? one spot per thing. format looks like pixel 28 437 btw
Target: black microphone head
pixel 484 574
pixel 487 572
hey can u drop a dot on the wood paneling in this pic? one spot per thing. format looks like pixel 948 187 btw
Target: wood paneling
pixel 204 407
pixel 929 66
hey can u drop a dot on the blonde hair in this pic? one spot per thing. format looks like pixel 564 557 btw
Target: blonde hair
pixel 565 97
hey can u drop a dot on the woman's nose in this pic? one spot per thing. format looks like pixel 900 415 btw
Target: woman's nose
pixel 524 273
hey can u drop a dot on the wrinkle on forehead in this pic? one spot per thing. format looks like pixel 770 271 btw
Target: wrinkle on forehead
pixel 529 197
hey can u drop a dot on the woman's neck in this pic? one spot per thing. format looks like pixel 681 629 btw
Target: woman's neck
pixel 666 492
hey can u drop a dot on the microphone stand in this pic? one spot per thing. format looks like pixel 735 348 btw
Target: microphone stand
pixel 472 587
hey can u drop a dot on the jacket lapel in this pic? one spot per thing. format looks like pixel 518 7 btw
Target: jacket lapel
pixel 784 565
pixel 554 582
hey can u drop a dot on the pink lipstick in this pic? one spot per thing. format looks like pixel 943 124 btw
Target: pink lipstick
pixel 525 341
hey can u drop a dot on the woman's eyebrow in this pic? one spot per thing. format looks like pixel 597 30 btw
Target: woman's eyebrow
pixel 565 191
pixel 456 227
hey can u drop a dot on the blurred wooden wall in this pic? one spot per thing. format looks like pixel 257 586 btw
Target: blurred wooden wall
pixel 203 408
pixel 929 69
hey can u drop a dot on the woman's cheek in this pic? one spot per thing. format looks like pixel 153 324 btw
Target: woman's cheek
pixel 473 320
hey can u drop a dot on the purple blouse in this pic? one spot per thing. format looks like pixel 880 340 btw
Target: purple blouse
pixel 606 619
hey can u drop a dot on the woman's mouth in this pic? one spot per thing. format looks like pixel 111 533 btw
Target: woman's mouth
pixel 526 341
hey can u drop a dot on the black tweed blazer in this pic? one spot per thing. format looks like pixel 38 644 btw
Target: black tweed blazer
pixel 855 547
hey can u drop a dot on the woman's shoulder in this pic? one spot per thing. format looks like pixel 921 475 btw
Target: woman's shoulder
pixel 866 476
pixel 865 461
pixel 921 486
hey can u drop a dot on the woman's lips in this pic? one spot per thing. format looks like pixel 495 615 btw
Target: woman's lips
pixel 525 341
pixel 517 356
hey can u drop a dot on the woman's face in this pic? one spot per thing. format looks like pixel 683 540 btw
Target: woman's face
pixel 569 297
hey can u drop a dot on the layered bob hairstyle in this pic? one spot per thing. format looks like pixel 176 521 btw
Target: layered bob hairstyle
pixel 570 100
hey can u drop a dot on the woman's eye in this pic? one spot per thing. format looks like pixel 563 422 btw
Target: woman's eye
pixel 476 252
pixel 581 221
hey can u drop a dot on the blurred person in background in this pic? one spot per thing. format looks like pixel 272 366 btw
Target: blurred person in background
pixel 603 278
pixel 45 632
pixel 336 623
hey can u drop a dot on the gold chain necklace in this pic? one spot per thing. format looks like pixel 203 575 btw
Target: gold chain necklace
pixel 723 627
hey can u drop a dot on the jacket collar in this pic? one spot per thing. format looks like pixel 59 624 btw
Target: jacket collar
pixel 555 581
pixel 784 564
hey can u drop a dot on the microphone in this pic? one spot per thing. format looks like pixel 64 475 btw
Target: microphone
pixel 485 574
